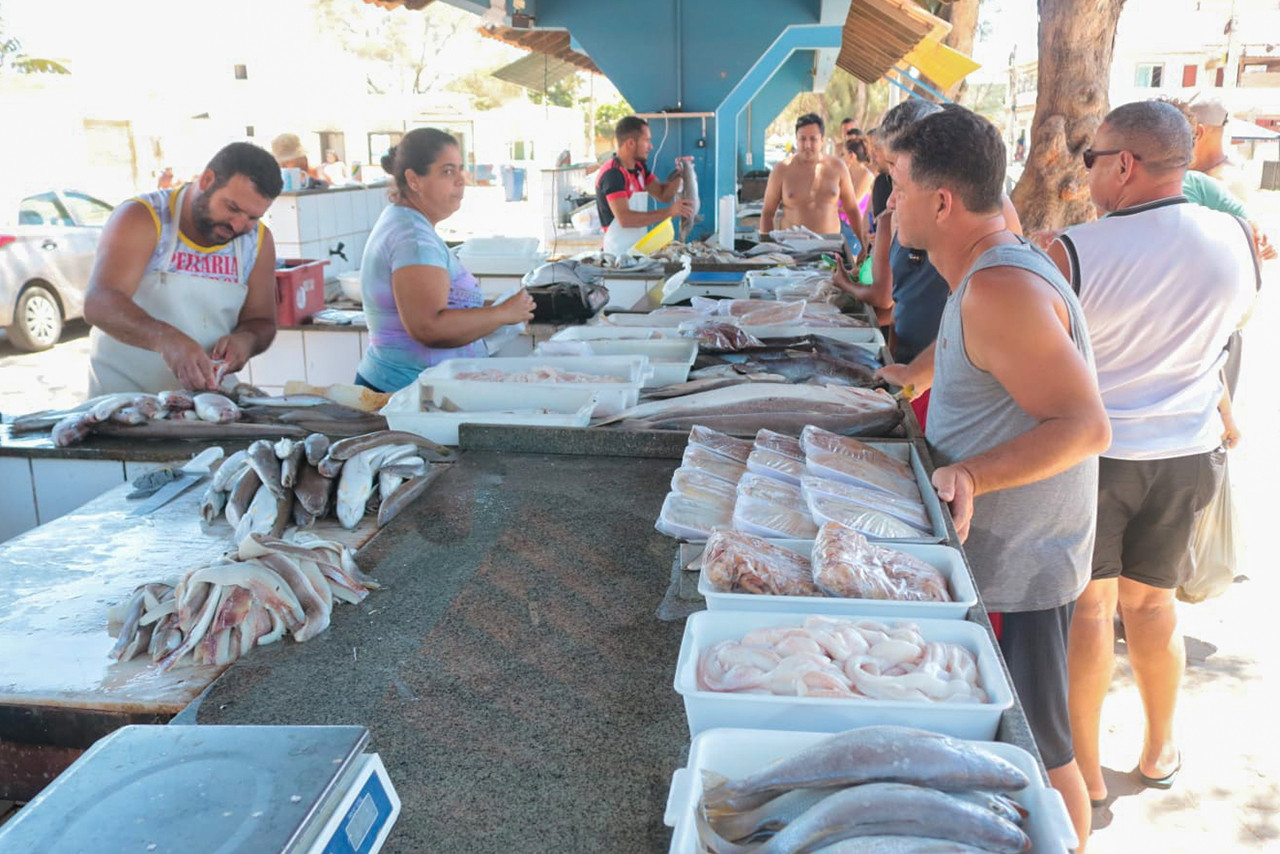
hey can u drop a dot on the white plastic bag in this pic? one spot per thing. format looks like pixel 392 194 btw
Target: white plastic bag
pixel 1213 547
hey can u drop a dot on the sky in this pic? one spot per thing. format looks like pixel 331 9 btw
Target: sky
pixel 1012 23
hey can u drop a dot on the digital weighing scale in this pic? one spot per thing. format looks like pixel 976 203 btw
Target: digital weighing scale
pixel 685 284
pixel 214 790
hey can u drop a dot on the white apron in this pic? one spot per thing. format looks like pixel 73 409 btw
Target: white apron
pixel 203 308
pixel 617 240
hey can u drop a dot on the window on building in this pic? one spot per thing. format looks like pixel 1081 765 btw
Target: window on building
pixel 333 141
pixel 248 130
pixel 241 72
pixel 1220 78
pixel 380 144
pixel 1150 75
pixel 1189 76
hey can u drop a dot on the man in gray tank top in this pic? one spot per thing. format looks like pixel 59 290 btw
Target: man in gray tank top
pixel 1016 419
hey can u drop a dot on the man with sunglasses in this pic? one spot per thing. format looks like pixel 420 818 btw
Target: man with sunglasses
pixel 1159 318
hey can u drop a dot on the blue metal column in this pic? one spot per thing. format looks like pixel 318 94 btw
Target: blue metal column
pixel 793 38
pixel 793 77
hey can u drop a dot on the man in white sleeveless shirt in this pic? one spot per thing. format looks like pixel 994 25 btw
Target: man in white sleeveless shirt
pixel 185 278
pixel 1163 283
pixel 1015 418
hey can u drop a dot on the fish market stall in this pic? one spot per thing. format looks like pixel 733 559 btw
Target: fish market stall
pixel 514 673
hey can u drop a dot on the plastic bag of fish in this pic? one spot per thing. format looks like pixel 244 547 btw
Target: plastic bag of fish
pixel 874 790
pixel 253 597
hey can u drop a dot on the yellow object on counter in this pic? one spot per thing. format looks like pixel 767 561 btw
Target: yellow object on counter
pixel 656 238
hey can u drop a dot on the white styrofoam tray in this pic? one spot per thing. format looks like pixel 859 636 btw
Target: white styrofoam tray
pixel 670 358
pixel 650 321
pixel 945 559
pixel 907 452
pixel 602 332
pixel 500 256
pixel 540 406
pixel 707 709
pixel 736 753
pixel 611 397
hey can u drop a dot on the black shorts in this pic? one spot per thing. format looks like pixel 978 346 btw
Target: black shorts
pixel 1147 512
pixel 1034 645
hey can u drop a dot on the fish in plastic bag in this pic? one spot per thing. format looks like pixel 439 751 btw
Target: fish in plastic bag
pixel 847 565
pixel 737 562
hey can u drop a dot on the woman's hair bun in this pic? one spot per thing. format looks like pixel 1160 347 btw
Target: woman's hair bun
pixel 389 160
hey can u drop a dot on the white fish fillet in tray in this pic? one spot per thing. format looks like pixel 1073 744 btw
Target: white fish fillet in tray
pixel 945 559
pixel 736 753
pixel 707 709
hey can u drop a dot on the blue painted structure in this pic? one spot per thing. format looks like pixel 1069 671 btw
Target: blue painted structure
pixel 700 56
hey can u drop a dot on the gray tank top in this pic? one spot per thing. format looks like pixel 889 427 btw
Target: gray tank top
pixel 1030 547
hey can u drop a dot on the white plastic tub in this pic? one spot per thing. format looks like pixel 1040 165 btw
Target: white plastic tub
pixel 670 358
pixel 945 559
pixel 738 752
pixel 708 709
pixel 500 256
pixel 544 407
pixel 611 397
pixel 653 321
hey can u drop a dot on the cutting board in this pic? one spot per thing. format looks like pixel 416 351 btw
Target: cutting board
pixel 58 580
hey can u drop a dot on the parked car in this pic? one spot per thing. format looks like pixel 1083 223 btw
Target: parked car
pixel 45 261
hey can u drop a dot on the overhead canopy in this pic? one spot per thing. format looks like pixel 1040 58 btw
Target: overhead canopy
pixel 553 43
pixel 537 71
pixel 1242 130
pixel 879 34
pixel 942 65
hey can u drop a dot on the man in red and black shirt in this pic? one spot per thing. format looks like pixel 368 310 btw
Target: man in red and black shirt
pixel 624 186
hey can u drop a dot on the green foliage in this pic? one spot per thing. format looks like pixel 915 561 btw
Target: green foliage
pixel 401 46
pixel 561 94
pixel 845 95
pixel 608 115
pixel 489 92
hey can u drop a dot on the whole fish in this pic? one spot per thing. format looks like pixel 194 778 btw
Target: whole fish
pixel 260 518
pixel 178 400
pixel 148 404
pixel 345 449
pixel 262 458
pixel 709 384
pixel 290 463
pixel 241 491
pixel 316 445
pixel 688 191
pixel 882 809
pixel 870 754
pixel 762 397
pixel 72 429
pixel 228 469
pixel 313 490
pixel 899 845
pixel 770 817
pixel 213 504
pixel 404 495
pixel 215 408
pixel 129 415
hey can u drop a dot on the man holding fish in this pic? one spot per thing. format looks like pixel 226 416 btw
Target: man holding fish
pixel 1016 420
pixel 624 186
pixel 183 289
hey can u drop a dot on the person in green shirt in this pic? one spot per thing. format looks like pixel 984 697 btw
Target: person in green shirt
pixel 1205 190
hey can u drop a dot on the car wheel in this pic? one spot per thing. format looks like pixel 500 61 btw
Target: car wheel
pixel 37 320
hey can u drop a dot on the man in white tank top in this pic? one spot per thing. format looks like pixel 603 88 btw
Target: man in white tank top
pixel 1015 419
pixel 186 278
pixel 1163 283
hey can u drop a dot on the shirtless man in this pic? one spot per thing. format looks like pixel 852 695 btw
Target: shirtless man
pixel 807 185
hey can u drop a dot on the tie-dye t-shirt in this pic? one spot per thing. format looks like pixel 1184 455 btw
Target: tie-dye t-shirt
pixel 403 237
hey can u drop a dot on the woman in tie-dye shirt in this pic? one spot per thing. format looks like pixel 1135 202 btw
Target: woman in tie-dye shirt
pixel 421 304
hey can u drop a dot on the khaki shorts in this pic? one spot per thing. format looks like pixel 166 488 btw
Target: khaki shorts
pixel 1147 512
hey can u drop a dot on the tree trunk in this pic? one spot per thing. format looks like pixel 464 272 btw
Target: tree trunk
pixel 1076 42
pixel 860 105
pixel 963 17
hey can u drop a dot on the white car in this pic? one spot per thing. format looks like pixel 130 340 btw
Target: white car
pixel 45 261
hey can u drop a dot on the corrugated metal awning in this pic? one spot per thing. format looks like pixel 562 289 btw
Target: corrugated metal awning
pixel 554 43
pixel 879 33
pixel 537 71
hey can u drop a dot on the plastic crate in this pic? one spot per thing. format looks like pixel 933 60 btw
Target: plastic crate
pixel 299 290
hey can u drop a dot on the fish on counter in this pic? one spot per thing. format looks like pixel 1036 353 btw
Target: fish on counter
pixel 270 485
pixel 745 409
pixel 846 564
pixel 878 789
pixel 737 562
pixel 218 613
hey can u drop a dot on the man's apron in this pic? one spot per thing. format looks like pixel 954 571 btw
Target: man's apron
pixel 203 308
pixel 617 240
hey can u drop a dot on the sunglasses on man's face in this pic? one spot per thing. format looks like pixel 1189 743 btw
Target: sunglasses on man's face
pixel 1090 156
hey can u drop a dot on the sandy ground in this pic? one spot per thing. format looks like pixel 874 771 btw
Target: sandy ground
pixel 1228 795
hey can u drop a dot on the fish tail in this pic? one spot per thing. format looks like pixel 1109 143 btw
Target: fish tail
pixel 715 792
pixel 713 841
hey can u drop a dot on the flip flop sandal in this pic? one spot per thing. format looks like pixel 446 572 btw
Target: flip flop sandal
pixel 1164 782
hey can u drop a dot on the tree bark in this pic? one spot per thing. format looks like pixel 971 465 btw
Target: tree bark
pixel 1076 40
pixel 963 17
